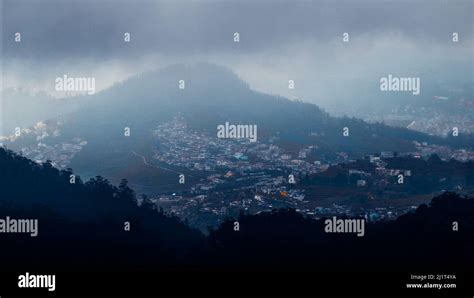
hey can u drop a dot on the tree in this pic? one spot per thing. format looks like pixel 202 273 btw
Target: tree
pixel 125 192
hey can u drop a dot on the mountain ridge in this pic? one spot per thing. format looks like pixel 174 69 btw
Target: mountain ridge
pixel 212 95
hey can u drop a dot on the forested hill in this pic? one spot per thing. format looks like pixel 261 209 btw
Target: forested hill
pixel 440 235
pixel 85 221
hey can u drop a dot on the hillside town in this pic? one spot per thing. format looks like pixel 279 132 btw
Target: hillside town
pixel 227 176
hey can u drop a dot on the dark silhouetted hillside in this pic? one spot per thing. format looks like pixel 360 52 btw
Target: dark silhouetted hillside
pixel 84 223
pixel 285 238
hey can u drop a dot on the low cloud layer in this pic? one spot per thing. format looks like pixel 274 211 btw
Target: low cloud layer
pixel 64 29
pixel 279 40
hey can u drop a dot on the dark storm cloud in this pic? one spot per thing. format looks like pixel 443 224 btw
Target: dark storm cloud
pixel 94 29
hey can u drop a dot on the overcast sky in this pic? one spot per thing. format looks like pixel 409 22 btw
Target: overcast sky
pixel 279 40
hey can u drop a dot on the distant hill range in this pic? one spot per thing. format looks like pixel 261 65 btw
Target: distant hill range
pixel 212 96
